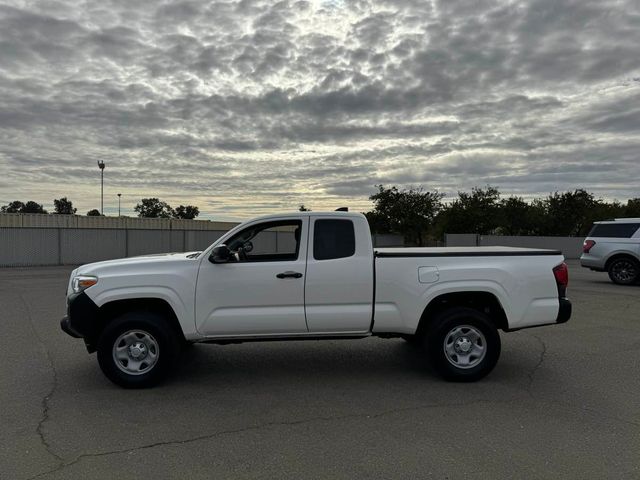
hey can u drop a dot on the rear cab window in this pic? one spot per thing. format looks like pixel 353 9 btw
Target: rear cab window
pixel 333 239
pixel 614 230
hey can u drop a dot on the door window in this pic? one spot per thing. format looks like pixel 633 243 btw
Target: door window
pixel 267 242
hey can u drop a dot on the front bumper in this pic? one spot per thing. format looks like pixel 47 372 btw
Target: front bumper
pixel 82 319
pixel 65 325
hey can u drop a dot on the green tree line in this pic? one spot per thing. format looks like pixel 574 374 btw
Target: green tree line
pixel 148 208
pixel 61 206
pixel 421 215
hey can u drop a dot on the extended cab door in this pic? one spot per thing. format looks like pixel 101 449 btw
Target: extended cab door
pixel 339 286
pixel 262 290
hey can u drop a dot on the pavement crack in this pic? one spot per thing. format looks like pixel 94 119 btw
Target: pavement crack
pixel 533 371
pixel 261 426
pixel 44 404
pixel 45 417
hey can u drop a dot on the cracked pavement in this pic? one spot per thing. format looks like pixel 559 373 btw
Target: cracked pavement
pixel 564 401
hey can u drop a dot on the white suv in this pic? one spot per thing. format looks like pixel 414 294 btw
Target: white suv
pixel 614 246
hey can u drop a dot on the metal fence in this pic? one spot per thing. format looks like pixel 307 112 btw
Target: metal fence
pixel 71 246
pixel 39 220
pixel 40 240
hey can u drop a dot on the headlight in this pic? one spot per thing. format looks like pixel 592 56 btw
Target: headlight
pixel 82 282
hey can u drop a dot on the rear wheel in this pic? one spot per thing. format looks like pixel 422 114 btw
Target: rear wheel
pixel 624 271
pixel 463 344
pixel 136 350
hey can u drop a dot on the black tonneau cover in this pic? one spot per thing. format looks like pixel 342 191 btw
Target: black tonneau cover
pixel 463 252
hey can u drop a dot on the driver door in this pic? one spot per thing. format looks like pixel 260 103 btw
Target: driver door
pixel 261 291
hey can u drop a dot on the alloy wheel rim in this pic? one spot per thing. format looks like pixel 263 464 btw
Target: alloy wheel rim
pixel 624 271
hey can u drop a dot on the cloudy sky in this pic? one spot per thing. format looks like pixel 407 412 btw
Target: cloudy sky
pixel 250 107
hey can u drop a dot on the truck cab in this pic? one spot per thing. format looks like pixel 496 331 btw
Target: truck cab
pixel 287 275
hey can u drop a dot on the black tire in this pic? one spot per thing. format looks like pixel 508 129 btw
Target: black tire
pixel 442 328
pixel 624 271
pixel 412 340
pixel 163 342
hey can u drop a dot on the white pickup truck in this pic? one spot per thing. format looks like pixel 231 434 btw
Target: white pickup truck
pixel 312 276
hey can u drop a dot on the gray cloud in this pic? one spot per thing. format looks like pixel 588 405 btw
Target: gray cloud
pixel 254 106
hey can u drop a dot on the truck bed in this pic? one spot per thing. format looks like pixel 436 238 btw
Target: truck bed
pixel 520 279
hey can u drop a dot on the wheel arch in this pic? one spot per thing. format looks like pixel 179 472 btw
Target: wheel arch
pixel 113 309
pixel 619 255
pixel 482 301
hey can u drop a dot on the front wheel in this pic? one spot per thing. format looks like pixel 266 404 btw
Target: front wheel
pixel 624 271
pixel 136 350
pixel 413 340
pixel 463 344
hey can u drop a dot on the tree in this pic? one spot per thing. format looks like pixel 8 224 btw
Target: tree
pixel 18 207
pixel 188 212
pixel 560 214
pixel 408 212
pixel 378 222
pixel 153 208
pixel 93 213
pixel 515 217
pixel 475 212
pixel 571 213
pixel 32 207
pixel 538 217
pixel 302 208
pixel 64 206
pixel 14 207
pixel 632 209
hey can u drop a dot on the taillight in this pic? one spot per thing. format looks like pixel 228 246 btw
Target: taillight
pixel 561 272
pixel 587 245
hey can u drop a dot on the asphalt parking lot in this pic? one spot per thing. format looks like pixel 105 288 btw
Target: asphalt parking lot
pixel 563 402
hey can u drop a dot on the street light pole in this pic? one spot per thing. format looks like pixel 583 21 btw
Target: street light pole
pixel 119 195
pixel 101 166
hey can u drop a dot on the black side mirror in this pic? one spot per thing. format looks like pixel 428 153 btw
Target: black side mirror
pixel 220 254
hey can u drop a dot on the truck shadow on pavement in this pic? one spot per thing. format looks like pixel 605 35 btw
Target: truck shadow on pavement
pixel 335 362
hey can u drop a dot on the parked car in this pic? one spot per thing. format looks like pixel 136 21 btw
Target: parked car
pixel 312 276
pixel 613 246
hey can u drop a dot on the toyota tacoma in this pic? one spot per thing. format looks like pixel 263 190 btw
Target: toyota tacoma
pixel 312 275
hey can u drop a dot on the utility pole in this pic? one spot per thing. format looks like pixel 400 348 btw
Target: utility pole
pixel 101 166
pixel 119 195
